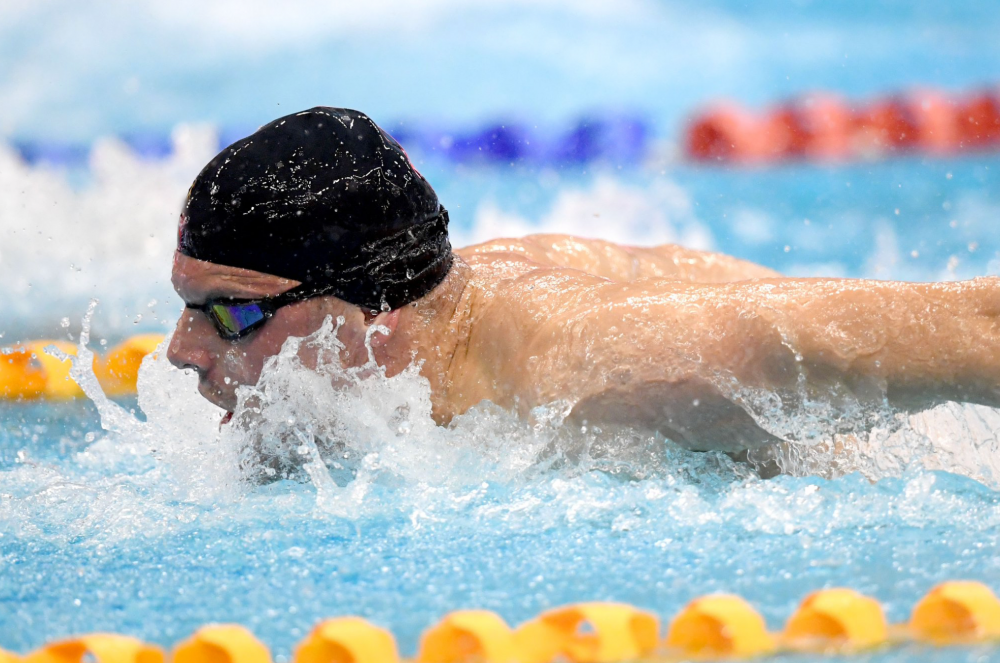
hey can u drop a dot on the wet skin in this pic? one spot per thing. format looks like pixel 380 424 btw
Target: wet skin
pixel 666 338
pixel 224 365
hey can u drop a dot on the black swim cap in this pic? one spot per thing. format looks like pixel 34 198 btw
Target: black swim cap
pixel 327 198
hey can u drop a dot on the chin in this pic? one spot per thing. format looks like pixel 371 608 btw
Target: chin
pixel 217 396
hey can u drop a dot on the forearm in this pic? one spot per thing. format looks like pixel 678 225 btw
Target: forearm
pixel 923 342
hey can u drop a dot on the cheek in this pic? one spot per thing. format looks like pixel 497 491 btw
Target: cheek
pixel 242 363
pixel 352 335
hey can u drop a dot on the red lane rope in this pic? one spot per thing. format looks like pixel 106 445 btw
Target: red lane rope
pixel 827 128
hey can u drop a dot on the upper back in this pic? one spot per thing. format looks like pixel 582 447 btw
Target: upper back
pixel 617 262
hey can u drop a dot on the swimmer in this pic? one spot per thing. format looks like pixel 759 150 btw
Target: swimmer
pixel 322 214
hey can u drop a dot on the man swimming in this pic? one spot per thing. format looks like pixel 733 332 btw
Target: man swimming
pixel 321 214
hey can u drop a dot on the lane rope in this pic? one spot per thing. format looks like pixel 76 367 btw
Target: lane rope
pixel 826 128
pixel 28 372
pixel 716 627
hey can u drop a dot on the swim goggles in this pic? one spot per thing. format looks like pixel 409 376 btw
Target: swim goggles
pixel 236 318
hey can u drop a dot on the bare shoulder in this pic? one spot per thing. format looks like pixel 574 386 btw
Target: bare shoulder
pixel 623 263
pixel 694 265
pixel 593 256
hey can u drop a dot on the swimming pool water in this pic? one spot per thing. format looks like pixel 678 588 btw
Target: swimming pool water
pixel 142 529
pixel 147 526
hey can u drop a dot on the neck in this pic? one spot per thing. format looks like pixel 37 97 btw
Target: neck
pixel 434 330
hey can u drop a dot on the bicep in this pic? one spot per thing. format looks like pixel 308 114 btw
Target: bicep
pixel 663 359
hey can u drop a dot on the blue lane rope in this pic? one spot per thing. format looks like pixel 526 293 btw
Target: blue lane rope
pixel 617 138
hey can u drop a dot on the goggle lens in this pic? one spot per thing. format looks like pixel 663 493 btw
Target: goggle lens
pixel 237 318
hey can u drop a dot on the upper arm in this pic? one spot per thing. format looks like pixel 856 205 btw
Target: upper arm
pixel 656 356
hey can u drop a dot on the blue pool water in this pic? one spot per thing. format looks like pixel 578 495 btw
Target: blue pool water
pixel 139 520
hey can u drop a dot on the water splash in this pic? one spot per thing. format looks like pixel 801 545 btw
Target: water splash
pixel 367 446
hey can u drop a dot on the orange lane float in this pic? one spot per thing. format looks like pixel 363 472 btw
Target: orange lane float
pixel 957 612
pixel 347 640
pixel 118 370
pixel 719 626
pixel 826 128
pixel 222 643
pixel 469 635
pixel 835 620
pixel 588 633
pixel 28 372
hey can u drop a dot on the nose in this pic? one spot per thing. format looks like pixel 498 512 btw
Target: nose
pixel 189 346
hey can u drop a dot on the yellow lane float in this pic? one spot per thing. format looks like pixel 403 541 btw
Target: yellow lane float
pixel 118 370
pixel 719 626
pixel 714 627
pixel 957 612
pixel 222 643
pixel 834 620
pixel 347 640
pixel 28 372
pixel 101 647
pixel 469 636
pixel 588 633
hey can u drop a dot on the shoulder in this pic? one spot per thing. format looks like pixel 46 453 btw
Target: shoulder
pixel 593 256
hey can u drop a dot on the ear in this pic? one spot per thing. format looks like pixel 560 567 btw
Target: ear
pixel 389 320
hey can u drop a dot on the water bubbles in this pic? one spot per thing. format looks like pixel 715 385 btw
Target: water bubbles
pixel 64 323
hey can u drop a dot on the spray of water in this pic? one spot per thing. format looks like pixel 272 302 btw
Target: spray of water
pixel 367 445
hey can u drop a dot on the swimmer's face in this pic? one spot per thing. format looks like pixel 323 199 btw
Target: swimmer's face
pixel 224 365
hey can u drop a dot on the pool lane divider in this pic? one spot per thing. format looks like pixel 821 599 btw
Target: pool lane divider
pixel 715 627
pixel 28 372
pixel 614 138
pixel 825 128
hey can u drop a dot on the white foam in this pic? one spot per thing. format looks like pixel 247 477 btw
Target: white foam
pixel 659 214
pixel 113 238
pixel 368 445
